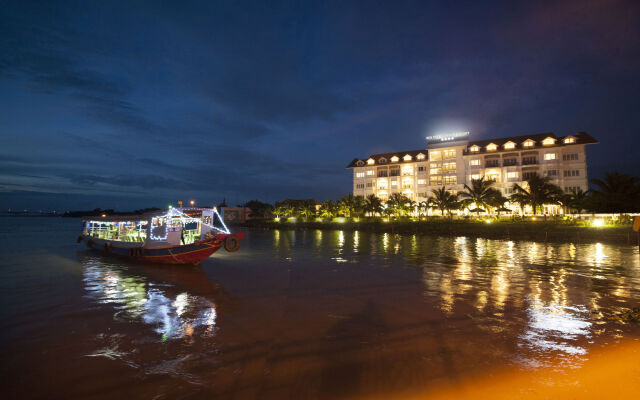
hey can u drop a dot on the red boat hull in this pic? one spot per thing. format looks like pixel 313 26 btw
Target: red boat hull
pixel 193 253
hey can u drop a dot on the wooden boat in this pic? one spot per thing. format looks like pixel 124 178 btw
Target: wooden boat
pixel 173 236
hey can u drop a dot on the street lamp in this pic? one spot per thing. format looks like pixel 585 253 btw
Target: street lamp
pixel 192 202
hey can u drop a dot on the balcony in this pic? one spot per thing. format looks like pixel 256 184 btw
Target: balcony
pixel 532 161
pixel 492 164
pixel 509 162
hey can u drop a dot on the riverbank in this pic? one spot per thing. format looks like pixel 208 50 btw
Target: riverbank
pixel 495 229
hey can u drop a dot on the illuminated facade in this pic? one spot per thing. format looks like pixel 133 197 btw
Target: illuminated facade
pixel 452 161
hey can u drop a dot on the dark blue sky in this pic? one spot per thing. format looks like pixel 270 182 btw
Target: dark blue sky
pixel 134 104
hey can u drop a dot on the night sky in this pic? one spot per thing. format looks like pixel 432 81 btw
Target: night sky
pixel 137 104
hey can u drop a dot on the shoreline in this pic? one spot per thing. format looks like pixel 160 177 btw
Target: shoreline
pixel 538 231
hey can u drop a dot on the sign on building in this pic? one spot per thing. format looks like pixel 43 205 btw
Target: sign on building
pixel 447 137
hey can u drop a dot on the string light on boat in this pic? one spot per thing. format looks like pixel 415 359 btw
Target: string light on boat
pixel 184 218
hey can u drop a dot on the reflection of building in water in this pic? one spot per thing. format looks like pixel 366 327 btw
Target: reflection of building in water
pixel 356 241
pixel 552 292
pixel 136 299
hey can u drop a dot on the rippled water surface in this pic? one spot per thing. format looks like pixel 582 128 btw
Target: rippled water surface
pixel 301 314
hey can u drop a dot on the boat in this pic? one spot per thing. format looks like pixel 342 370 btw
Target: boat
pixel 172 236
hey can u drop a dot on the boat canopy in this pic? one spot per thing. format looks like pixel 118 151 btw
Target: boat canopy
pixel 172 226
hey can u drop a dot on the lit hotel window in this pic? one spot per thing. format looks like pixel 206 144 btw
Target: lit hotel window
pixel 548 141
pixel 474 162
pixel 394 159
pixel 528 143
pixel 370 172
pixel 509 145
pixel 492 147
pixel 407 170
pixel 569 139
pixel 422 181
pixel 435 156
pixel 420 156
pixel 550 156
pixel 449 154
pixel 450 180
pixel 474 148
pixel 449 167
pixel 370 161
pixel 407 157
pixel 359 174
pixel 476 176
pixel 512 175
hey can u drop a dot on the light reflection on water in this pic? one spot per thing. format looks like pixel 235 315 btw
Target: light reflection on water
pixel 551 297
pixel 135 299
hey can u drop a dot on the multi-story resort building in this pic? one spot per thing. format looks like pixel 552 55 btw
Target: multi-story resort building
pixel 452 161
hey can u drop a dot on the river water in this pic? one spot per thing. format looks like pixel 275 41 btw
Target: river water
pixel 300 314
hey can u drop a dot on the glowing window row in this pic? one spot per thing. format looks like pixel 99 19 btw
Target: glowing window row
pixel 527 143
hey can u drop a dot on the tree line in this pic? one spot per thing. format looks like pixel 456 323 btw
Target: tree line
pixel 616 193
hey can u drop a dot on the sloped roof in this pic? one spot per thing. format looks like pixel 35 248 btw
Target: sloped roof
pixel 581 138
pixel 399 154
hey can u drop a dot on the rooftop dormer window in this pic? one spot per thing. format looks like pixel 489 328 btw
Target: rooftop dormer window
pixel 420 156
pixel 371 161
pixel 394 159
pixel 492 147
pixel 548 141
pixel 474 148
pixel 407 158
pixel 382 160
pixel 360 163
pixel 569 140
pixel 509 145
pixel 528 143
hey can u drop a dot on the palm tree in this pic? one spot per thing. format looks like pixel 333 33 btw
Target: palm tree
pixel 423 206
pixel 329 209
pixel 411 206
pixel 289 210
pixel 579 199
pixel 280 210
pixel 565 201
pixel 372 205
pixel 397 203
pixel 497 201
pixel 617 192
pixel 347 205
pixel 444 200
pixel 538 191
pixel 307 211
pixel 358 205
pixel 480 192
pixel 519 198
